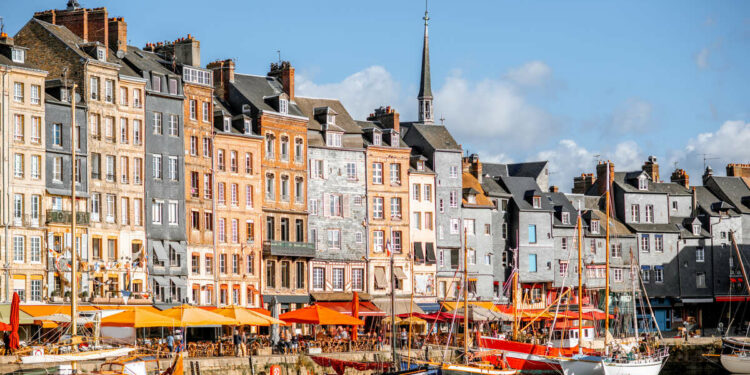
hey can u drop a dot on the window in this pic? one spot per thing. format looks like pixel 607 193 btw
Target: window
pixel 285 188
pixel 645 243
pixel 642 183
pixel 124 169
pixel 299 190
pixel 453 171
pixel 124 210
pixel 338 279
pixel 101 54
pixel 428 221
pixel 94 88
pixel 250 231
pixel 18 92
pixel 378 239
pixel 156 82
pixel 269 146
pixel 156 212
pixel 441 206
pixel 659 243
pixel 222 263
pixel 616 251
pixel 137 132
pixel 416 220
pixel 532 262
pixel 635 213
pixel 205 112
pixel 377 207
pixel 298 150
pixel 377 138
pixel 700 255
pixel 110 164
pixel 137 211
pixel 285 276
pixel 564 243
pixel 235 264
pixel 209 264
pixel 333 139
pixel 649 213
pixel 696 229
pixel 318 278
pixel 173 169
pixel 270 194
pixel 109 128
pixel 700 280
pixel 18 128
pixel 109 95
pixel 455 224
pixel 487 229
pixel 233 161
pixel 617 273
pixel 396 241
pixel 57 135
pixel 19 253
pixel 416 191
pixel 250 264
pixel 221 229
pixel 195 264
pixel 395 208
pixel 351 171
pixel 469 226
pixel 377 173
pixel 565 218
pixel 284 144
pixel 193 109
pixel 208 223
pixel 314 207
pixel 248 196
pixel 18 55
pixel 593 245
pixel 157 123
pixel 358 277
pixel 111 208
pixel 36 201
pixel 18 166
pixel 95 206
pixel 395 174
pixel 659 274
pixel 472 256
pixel 174 129
pixel 334 239
pixel 335 205
pixel 124 96
pixel 532 233
pixel 36 130
pixel 537 201
pixel 283 106
pixel 157 166
pixel 563 268
pixel 17 208
pixel 454 199
pixel 428 192
pixel 235 231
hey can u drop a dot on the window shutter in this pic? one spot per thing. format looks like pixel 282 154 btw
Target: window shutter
pixel 84 247
pixel 345 205
pixel 50 240
pixel 67 241
pixel 325 208
pixel 324 172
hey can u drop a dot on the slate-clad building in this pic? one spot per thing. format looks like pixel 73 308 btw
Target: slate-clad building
pixel 164 179
pixel 336 197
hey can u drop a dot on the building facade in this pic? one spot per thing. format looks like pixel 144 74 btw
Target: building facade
pixel 422 233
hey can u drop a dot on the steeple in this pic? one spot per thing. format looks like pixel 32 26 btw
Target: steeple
pixel 425 87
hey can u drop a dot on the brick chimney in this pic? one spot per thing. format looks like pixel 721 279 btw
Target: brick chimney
pixel 651 167
pixel 187 51
pixel 92 25
pixel 554 189
pixel 601 176
pixel 582 183
pixel 388 118
pixel 471 164
pixel 223 75
pixel 738 170
pixel 680 176
pixel 118 34
pixel 285 73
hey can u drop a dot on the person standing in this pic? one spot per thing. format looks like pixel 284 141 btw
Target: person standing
pixel 243 343
pixel 170 342
pixel 236 341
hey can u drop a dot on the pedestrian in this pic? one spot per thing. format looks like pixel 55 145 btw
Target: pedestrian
pixel 236 341
pixel 404 337
pixel 170 342
pixel 243 344
pixel 6 342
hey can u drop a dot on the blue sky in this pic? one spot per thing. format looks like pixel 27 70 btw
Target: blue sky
pixel 515 81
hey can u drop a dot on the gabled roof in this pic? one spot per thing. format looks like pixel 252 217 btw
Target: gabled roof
pixel 437 136
pixel 492 188
pixel 352 133
pixel 624 180
pixel 685 226
pixel 616 227
pixel 670 188
pixel 375 125
pixel 63 34
pixel 710 203
pixel 145 62
pixel 519 187
pixel 731 189
pixel 529 169
pixel 560 204
pixel 495 169
pixel 472 186
pixel 256 89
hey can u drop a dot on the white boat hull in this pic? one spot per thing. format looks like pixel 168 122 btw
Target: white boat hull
pixel 582 365
pixel 470 370
pixel 647 366
pixel 75 357
pixel 736 364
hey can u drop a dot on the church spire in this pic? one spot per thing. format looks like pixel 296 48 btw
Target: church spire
pixel 425 87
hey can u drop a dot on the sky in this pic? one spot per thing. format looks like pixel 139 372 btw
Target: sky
pixel 571 82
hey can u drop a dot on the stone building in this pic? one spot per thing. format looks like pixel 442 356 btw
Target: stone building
pixel 238 205
pixel 337 200
pixel 269 102
pixel 23 179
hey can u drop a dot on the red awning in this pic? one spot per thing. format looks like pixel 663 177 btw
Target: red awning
pixel 732 298
pixel 366 308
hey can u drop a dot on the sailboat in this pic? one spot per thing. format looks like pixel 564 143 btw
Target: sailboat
pixel 735 353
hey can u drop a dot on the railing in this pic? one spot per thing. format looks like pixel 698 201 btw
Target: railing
pixel 64 217
pixel 288 248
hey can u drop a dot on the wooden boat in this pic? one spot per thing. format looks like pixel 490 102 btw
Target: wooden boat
pixel 488 369
pixel 140 365
pixel 735 356
pixel 38 356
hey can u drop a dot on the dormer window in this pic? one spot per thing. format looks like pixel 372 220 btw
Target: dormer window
pixel 472 198
pixel 565 218
pixel 642 183
pixel 420 165
pixel 101 54
pixel 245 108
pixel 696 229
pixel 333 139
pixel 536 201
pixel 394 139
pixel 18 55
pixel 330 119
pixel 377 139
pixel 65 95
pixel 595 226
pixel 247 126
pixel 283 106
pixel 227 124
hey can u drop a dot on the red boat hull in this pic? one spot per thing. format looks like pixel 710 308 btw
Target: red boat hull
pixel 523 356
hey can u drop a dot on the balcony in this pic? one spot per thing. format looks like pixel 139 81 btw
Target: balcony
pixel 63 217
pixel 286 248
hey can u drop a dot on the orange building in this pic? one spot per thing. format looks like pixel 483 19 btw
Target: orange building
pixel 388 199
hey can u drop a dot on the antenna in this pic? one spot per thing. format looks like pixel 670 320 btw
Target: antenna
pixel 278 51
pixel 442 120
pixel 2 25
pixel 597 157
pixel 706 157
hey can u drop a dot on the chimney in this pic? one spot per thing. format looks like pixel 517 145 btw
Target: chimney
pixel 223 75
pixel 694 208
pixel 553 189
pixel 738 170
pixel 187 51
pixel 285 73
pixel 652 168
pixel 118 34
pixel 582 183
pixel 91 25
pixel 471 164
pixel 679 176
pixel 388 118
pixel 601 176
pixel 707 173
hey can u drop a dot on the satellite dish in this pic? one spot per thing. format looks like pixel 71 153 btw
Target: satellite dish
pixel 120 54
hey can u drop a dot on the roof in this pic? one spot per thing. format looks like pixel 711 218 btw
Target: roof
pixel 670 188
pixel 520 187
pixel 709 202
pixel 654 228
pixel 437 136
pixel 492 188
pixel 529 169
pixel 616 227
pixel 495 169
pixel 425 82
pixel 142 61
pixel 352 132
pixel 622 181
pixel 731 189
pixel 7 61
pixel 685 226
pixel 561 204
pixel 472 186
pixel 256 89
pixel 376 125
pixel 63 34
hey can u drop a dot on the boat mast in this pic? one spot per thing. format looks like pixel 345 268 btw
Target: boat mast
pixel 515 291
pixel 634 274
pixel 606 255
pixel 393 308
pixel 73 254
pixel 739 260
pixel 466 301
pixel 580 285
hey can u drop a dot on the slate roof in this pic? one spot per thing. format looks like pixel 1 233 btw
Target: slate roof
pixel 709 202
pixel 66 36
pixel 7 61
pixel 529 169
pixel 685 226
pixel 376 125
pixel 616 227
pixel 495 169
pixel 733 190
pixel 256 89
pixel 352 137
pixel 425 82
pixel 520 188
pixel 654 228
pixel 670 188
pixel 623 180
pixel 471 185
pixel 143 61
pixel 561 204
pixel 437 136
pixel 492 188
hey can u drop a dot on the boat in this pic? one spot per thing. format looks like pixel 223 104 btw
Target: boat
pixel 735 353
pixel 140 364
pixel 649 365
pixel 483 369
pixel 581 364
pixel 38 356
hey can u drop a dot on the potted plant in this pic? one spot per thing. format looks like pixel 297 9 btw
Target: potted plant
pixel 84 296
pixel 67 296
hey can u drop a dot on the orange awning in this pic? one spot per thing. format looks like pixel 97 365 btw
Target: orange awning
pixel 139 318
pixel 366 308
pixel 317 314
pixel 44 310
pixel 246 316
pixel 191 316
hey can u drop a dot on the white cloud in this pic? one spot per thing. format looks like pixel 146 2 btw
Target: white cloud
pixel 532 74
pixel 631 116
pixel 701 58
pixel 360 92
pixel 728 144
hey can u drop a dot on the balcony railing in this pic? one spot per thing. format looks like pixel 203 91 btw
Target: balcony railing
pixel 64 217
pixel 287 248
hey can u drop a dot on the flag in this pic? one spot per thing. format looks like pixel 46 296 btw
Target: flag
pixel 388 250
